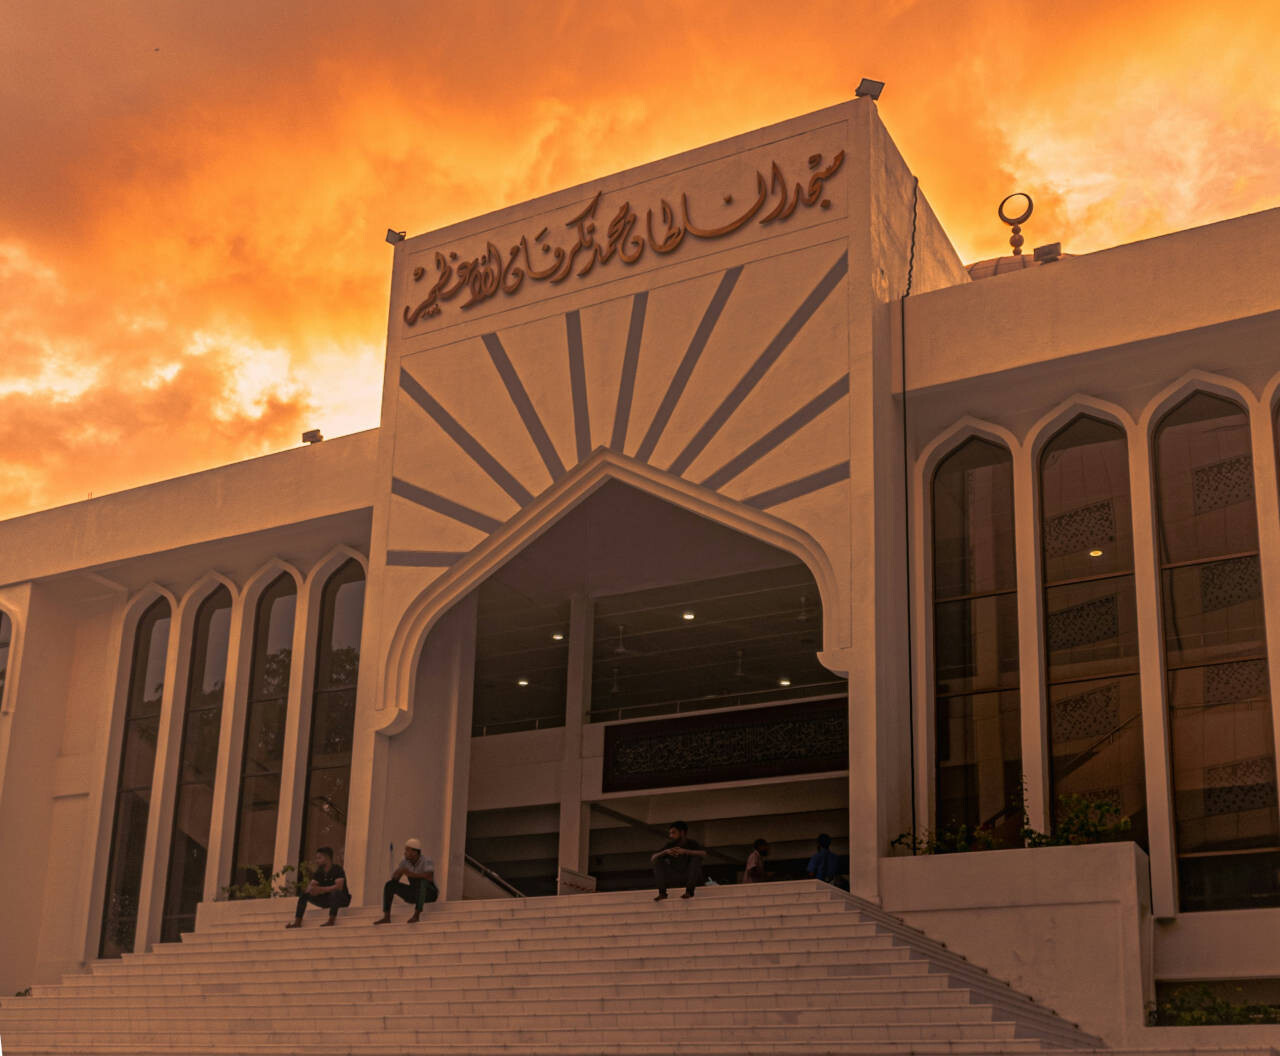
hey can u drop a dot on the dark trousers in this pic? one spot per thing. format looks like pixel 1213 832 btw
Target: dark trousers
pixel 684 871
pixel 415 891
pixel 330 900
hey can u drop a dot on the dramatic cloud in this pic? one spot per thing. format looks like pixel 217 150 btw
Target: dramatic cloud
pixel 192 268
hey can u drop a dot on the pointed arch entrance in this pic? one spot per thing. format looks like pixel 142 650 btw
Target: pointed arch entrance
pixel 634 659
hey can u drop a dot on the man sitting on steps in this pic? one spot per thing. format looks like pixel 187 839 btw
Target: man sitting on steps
pixel 420 872
pixel 328 888
pixel 680 859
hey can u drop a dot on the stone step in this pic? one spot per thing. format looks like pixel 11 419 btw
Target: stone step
pixel 655 921
pixel 338 941
pixel 924 989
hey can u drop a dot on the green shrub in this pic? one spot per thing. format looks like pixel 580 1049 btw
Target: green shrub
pixel 1197 1005
pixel 277 885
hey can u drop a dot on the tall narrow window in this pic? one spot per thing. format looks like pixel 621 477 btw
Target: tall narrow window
pixel 1091 636
pixel 197 763
pixel 133 784
pixel 975 619
pixel 333 711
pixel 1224 783
pixel 263 754
pixel 6 636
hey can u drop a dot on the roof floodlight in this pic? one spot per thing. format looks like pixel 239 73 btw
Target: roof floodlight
pixel 394 236
pixel 869 88
pixel 312 436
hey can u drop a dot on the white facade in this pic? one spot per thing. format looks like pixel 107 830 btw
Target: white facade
pixel 707 382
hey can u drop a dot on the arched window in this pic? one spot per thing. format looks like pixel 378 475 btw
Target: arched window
pixel 975 620
pixel 333 711
pixel 1091 635
pixel 197 764
pixel 133 784
pixel 6 636
pixel 263 755
pixel 1224 784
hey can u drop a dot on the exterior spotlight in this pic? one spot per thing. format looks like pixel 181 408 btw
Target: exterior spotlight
pixel 784 682
pixel 557 637
pixel 869 88
pixel 1047 254
pixel 1095 553
pixel 394 236
pixel 686 615
pixel 312 436
pixel 523 682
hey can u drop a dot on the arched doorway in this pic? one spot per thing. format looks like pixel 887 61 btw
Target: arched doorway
pixel 637 663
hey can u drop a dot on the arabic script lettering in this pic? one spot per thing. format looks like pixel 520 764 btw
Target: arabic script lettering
pixel 623 238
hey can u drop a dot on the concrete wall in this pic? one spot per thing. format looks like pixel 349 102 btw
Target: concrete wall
pixel 1069 926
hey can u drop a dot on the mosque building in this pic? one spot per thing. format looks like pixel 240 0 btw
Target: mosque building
pixel 717 489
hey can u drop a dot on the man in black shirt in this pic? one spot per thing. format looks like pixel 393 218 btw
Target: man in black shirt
pixel 328 888
pixel 679 860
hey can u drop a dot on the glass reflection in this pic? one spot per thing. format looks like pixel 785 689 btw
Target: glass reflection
pixel 978 744
pixel 133 791
pixel 333 710
pixel 198 760
pixel 1091 632
pixel 1223 760
pixel 6 635
pixel 263 752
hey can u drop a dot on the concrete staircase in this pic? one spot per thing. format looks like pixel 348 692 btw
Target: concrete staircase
pixel 768 969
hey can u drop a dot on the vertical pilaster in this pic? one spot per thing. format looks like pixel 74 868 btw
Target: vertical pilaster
pixel 1155 713
pixel 1035 759
pixel 575 823
pixel 297 722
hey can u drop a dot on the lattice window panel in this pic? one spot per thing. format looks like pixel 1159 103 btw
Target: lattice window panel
pixel 1080 529
pixel 1232 788
pixel 1096 620
pixel 1223 484
pixel 1227 583
pixel 1094 713
pixel 1228 683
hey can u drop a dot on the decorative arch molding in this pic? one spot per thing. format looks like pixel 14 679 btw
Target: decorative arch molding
pixel 1192 382
pixel 331 562
pixel 1039 435
pixel 13 668
pixel 395 706
pixel 1271 396
pixel 264 577
pixel 956 434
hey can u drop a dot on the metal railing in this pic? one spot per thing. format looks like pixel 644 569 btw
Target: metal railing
pixel 494 877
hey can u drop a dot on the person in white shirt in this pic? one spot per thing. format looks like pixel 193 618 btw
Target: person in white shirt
pixel 413 880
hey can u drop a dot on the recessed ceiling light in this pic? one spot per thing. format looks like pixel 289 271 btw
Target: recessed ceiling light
pixel 784 681
pixel 1095 553
pixel 557 637
pixel 523 682
pixel 686 615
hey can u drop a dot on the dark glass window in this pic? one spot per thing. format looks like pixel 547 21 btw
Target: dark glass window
pixel 333 712
pixel 197 764
pixel 133 788
pixel 1224 784
pixel 1091 633
pixel 6 636
pixel 263 754
pixel 975 643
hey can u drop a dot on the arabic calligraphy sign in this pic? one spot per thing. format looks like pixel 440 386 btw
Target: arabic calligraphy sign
pixel 624 238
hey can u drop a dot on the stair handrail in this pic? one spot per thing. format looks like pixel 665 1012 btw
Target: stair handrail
pixel 490 874
pixel 657 830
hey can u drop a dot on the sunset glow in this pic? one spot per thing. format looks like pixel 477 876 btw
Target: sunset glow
pixel 192 264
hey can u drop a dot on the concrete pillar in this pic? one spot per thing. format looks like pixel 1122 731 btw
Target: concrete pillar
pixel 226 781
pixel 1155 712
pixel 1035 756
pixel 575 821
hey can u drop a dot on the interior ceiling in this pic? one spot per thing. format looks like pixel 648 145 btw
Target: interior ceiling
pixel 621 539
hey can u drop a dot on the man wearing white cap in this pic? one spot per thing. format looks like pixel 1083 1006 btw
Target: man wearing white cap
pixel 420 872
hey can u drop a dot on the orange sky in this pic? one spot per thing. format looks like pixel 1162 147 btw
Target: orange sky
pixel 194 196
